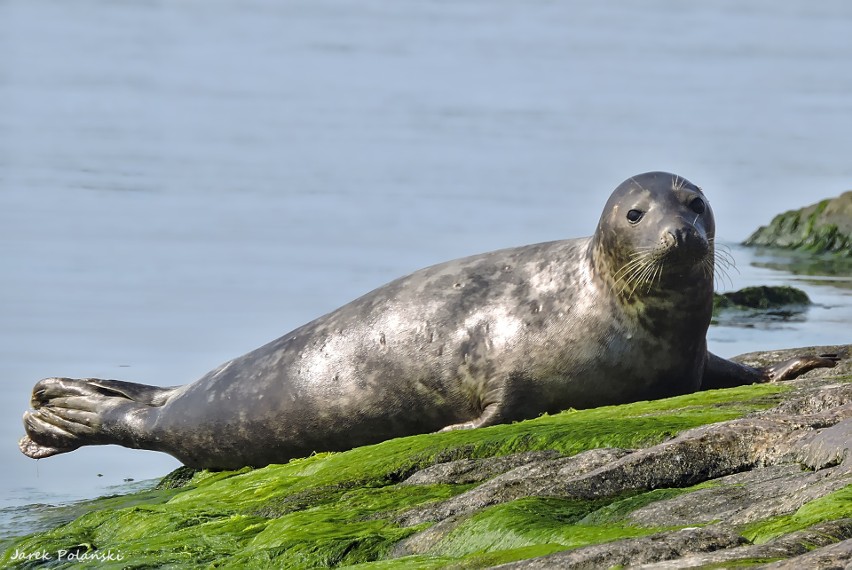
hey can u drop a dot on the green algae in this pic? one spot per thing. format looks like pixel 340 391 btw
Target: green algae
pixel 753 304
pixel 835 505
pixel 616 512
pixel 180 477
pixel 537 526
pixel 338 509
pixel 530 522
pixel 762 297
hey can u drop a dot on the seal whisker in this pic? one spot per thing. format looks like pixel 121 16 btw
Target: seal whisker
pixel 644 276
pixel 656 275
pixel 641 278
pixel 634 181
pixel 723 261
pixel 642 253
pixel 635 272
pixel 726 259
pixel 630 267
pixel 627 274
pixel 659 276
pixel 720 276
pixel 707 270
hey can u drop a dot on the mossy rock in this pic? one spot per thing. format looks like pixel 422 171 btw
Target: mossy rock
pixel 760 305
pixel 824 227
pixel 349 509
pixel 761 297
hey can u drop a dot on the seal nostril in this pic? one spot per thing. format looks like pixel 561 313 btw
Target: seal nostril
pixel 680 236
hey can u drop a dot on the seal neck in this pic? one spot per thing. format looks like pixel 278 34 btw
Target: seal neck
pixel 648 282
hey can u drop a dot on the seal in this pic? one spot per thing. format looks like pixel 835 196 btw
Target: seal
pixel 502 336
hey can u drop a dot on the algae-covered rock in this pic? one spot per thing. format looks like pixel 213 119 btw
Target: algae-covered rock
pixel 759 305
pixel 727 477
pixel 178 478
pixel 760 297
pixel 824 227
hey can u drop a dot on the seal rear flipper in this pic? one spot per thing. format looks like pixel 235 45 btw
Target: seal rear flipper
pixel 50 388
pixel 142 393
pixel 34 450
pixel 69 413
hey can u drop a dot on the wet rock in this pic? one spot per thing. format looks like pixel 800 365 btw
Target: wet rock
pixel 825 545
pixel 761 297
pixel 633 551
pixel 178 478
pixel 475 470
pixel 743 498
pixel 822 227
pixel 524 481
pixel 773 484
pixel 764 304
pixel 826 448
pixel 765 465
pixel 833 556
pixel 695 456
pixel 842 369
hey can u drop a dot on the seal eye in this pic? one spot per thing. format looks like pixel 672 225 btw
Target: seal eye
pixel 698 206
pixel 633 216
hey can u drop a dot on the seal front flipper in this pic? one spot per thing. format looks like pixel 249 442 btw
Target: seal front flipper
pixel 490 416
pixel 722 373
pixel 69 413
pixel 795 367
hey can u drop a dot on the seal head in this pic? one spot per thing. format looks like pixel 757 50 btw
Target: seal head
pixel 656 233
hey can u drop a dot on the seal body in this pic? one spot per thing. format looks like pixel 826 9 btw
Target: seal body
pixel 502 336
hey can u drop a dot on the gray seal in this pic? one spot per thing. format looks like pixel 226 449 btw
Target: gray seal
pixel 508 335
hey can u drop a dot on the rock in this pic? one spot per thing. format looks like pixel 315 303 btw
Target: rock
pixel 833 556
pixel 827 447
pixel 634 551
pixel 178 478
pixel 752 306
pixel 735 454
pixel 761 297
pixel 824 227
pixel 815 547
pixel 525 481
pixel 474 470
pixel 743 498
pixel 721 478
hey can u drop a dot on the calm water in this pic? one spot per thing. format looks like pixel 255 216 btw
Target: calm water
pixel 181 182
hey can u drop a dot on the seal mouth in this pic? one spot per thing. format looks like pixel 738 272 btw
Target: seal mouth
pixel 649 267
